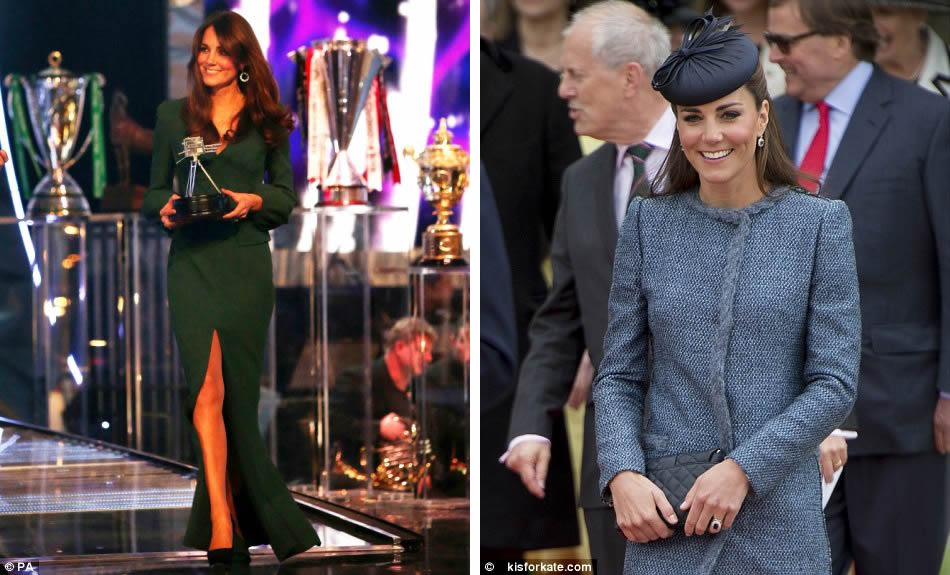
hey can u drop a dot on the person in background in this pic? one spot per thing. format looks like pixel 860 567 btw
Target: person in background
pixel 408 348
pixel 538 30
pixel 498 340
pixel 675 15
pixel 909 48
pixel 883 146
pixel 752 16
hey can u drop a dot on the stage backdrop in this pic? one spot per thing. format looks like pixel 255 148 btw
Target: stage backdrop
pixel 427 78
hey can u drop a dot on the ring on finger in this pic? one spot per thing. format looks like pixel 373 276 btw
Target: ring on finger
pixel 715 525
pixel 838 463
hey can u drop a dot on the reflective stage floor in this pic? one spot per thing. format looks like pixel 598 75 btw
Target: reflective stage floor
pixel 73 505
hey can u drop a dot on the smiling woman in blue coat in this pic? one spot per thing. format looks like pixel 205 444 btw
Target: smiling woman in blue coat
pixel 734 335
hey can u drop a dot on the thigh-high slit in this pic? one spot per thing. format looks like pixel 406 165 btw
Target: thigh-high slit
pixel 209 293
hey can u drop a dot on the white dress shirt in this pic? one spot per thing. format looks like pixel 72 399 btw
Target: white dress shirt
pixel 659 138
pixel 841 103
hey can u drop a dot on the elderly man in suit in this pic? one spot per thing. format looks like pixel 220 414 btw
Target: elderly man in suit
pixel 883 146
pixel 611 51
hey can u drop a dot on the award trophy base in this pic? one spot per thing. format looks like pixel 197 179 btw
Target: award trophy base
pixel 60 199
pixel 441 247
pixel 343 196
pixel 198 208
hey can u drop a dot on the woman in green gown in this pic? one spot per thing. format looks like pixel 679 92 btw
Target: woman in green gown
pixel 220 286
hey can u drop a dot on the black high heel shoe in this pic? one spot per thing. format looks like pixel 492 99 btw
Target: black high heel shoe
pixel 240 553
pixel 220 556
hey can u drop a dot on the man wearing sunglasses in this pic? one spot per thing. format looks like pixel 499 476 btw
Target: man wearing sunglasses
pixel 883 146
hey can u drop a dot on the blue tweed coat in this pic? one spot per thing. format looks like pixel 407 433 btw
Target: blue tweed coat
pixel 755 328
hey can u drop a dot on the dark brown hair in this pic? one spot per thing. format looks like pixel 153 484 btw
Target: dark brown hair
pixel 850 18
pixel 262 107
pixel 771 162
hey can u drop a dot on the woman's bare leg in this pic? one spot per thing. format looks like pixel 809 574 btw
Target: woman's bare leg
pixel 209 422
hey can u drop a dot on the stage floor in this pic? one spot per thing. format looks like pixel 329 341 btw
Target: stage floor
pixel 71 505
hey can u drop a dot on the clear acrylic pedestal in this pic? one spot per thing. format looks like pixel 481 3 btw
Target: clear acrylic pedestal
pixel 440 296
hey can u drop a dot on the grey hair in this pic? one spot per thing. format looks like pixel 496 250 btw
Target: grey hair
pixel 622 32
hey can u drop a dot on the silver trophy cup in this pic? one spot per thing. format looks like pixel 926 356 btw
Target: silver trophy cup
pixel 350 70
pixel 55 99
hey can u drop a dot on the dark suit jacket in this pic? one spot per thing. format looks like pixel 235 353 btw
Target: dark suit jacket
pixel 574 316
pixel 892 168
pixel 527 141
pixel 499 336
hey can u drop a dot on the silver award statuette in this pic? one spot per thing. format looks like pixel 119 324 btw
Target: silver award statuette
pixel 55 100
pixel 191 208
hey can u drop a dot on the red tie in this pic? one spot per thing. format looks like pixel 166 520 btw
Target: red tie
pixel 814 161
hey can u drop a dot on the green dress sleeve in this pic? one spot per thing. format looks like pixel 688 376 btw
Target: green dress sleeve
pixel 278 194
pixel 163 166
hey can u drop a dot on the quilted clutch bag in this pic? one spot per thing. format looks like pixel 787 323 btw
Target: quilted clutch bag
pixel 675 475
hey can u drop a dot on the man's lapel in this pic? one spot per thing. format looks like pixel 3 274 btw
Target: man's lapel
pixel 602 188
pixel 867 122
pixel 789 113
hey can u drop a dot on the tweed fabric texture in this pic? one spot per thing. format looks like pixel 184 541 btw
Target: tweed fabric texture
pixel 754 321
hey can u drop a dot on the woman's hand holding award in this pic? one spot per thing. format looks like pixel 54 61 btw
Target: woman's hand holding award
pixel 192 208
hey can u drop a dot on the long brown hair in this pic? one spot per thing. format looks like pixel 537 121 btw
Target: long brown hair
pixel 262 107
pixel 772 165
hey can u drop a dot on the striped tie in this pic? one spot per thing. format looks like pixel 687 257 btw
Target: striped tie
pixel 641 183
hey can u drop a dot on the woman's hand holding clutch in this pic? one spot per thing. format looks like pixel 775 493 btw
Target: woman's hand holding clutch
pixel 245 204
pixel 637 504
pixel 715 499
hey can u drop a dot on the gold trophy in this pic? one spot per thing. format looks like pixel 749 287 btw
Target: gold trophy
pixel 443 177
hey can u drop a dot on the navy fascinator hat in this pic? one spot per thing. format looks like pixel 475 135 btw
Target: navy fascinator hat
pixel 714 60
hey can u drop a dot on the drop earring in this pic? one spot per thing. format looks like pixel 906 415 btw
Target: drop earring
pixel 244 77
pixel 761 142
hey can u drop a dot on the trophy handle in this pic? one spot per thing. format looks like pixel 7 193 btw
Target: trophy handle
pixel 82 149
pixel 28 146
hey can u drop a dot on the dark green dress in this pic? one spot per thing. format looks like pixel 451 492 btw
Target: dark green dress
pixel 220 278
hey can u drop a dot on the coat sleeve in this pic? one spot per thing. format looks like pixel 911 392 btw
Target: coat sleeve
pixel 278 193
pixel 622 378
pixel 557 342
pixel 163 165
pixel 833 354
